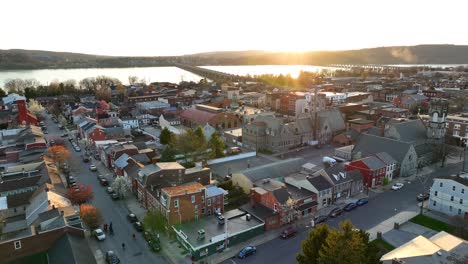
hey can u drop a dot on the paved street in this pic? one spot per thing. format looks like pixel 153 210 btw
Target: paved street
pixel 380 208
pixel 137 251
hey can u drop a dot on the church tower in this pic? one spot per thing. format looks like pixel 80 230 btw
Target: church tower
pixel 436 124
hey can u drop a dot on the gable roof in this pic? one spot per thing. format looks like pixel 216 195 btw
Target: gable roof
pixel 370 144
pixel 460 180
pixel 281 195
pixel 70 249
pixel 410 131
pixel 337 174
pixel 275 170
pixel 334 118
pixel 373 163
pixel 320 183
pixel 385 158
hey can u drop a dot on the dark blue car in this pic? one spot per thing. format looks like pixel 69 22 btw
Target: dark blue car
pixel 249 250
pixel 349 207
pixel 362 201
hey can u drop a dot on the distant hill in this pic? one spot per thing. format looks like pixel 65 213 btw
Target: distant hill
pixel 421 54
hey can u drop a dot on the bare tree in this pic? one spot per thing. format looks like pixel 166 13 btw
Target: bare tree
pixel 132 80
pixel 289 211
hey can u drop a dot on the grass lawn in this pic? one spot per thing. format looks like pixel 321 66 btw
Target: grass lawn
pixel 383 246
pixel 432 223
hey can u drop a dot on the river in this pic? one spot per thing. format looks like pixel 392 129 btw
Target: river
pixel 152 74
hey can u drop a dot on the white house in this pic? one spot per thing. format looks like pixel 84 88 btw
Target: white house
pixel 391 164
pixel 129 123
pixel 449 195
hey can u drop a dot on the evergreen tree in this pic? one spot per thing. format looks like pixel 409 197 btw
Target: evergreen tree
pixel 312 245
pixel 168 154
pixel 217 146
pixel 345 245
pixel 165 136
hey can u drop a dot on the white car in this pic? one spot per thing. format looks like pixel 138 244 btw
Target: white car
pixel 397 186
pixel 99 234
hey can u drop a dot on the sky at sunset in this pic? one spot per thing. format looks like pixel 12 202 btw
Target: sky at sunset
pixel 176 27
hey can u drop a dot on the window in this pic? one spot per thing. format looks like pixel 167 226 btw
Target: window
pixel 275 207
pixel 193 198
pixel 203 199
pixel 435 193
pixel 209 211
pixel 461 201
pixel 450 208
pixel 456 126
pixel 434 203
pixel 463 190
pixel 451 198
pixel 208 201
pixel 17 244
pixel 441 184
pixel 453 188
pixel 14 210
pixel 459 211
pixel 203 210
pixel 176 203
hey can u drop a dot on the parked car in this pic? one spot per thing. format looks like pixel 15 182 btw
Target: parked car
pixel 422 197
pixel 92 167
pixel 85 159
pixel 247 251
pixel 320 219
pixel 350 207
pixel 111 257
pixel 71 180
pixel 397 186
pixel 77 149
pixel 362 201
pixel 99 234
pixel 114 196
pixel 288 232
pixel 335 212
pixel 138 226
pixel 103 181
pixel 45 131
pixel 109 190
pixel 132 218
pixel 64 135
pixel 60 127
pixel 155 245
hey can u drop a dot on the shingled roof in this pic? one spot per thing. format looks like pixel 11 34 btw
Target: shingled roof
pixel 370 144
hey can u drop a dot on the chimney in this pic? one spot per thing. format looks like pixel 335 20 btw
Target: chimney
pixel 62 213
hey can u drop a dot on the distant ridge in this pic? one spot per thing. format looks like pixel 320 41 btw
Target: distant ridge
pixel 420 54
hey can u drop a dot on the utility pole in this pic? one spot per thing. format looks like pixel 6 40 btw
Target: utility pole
pixel 423 180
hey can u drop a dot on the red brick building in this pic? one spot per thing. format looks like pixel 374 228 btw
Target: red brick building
pixel 372 169
pixel 204 114
pixel 182 203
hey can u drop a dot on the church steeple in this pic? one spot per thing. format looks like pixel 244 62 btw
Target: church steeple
pixel 436 125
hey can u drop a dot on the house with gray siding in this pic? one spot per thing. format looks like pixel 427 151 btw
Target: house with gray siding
pixel 449 195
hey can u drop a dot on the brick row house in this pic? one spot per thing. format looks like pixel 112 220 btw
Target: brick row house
pixel 372 169
pixel 148 181
pixel 189 202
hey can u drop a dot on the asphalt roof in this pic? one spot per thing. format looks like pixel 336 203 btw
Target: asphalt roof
pixel 320 183
pixel 19 199
pixel 410 131
pixel 70 249
pixel 275 170
pixel 387 159
pixel 373 163
pixel 370 144
pixel 281 195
